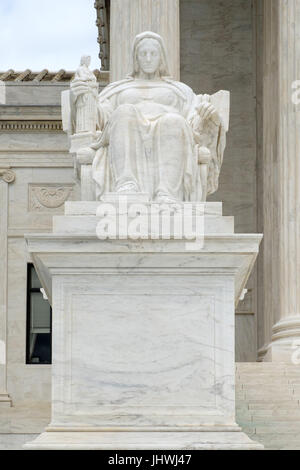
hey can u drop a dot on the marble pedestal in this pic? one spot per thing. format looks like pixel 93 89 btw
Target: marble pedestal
pixel 143 335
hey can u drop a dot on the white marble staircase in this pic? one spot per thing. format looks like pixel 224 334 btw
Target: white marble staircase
pixel 268 403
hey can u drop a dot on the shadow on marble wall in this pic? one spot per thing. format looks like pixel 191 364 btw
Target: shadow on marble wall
pixel 218 52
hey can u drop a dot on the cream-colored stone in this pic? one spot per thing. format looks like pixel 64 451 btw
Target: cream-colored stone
pixel 267 402
pixel 4 397
pixel 86 104
pixel 279 175
pixel 142 370
pixel 157 136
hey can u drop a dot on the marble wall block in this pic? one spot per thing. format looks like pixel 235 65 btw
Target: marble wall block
pixel 154 351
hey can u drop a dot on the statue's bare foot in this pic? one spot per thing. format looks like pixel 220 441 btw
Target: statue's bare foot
pixel 166 199
pixel 168 204
pixel 129 187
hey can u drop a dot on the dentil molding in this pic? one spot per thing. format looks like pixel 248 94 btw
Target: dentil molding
pixel 30 125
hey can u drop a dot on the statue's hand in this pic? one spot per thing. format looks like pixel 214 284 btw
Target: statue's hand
pixel 80 87
pixel 207 111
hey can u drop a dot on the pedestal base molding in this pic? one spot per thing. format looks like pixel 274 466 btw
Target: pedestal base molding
pixel 143 350
pixel 212 440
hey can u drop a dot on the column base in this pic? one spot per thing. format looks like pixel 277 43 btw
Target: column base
pixel 212 440
pixel 285 344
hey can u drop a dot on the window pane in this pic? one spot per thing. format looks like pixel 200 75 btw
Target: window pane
pixel 40 313
pixel 40 350
pixel 35 282
pixel 38 323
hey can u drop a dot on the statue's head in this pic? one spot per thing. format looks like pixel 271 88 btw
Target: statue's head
pixel 85 60
pixel 149 55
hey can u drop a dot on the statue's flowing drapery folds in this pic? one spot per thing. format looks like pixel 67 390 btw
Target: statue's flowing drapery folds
pixel 157 136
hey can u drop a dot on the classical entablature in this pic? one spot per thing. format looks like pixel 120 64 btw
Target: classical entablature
pixel 32 117
pixel 103 15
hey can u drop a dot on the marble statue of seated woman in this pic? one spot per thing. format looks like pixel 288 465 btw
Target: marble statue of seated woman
pixel 155 132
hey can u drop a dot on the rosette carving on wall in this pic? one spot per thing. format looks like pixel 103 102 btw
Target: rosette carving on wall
pixel 7 175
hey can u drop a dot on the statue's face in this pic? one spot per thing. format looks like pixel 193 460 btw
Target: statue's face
pixel 86 60
pixel 148 56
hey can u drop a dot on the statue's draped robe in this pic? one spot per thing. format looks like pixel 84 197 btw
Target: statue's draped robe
pixel 157 149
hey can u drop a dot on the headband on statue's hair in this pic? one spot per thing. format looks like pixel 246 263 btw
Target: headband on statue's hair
pixel 164 67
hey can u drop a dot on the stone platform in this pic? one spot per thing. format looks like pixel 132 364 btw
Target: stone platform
pixel 143 335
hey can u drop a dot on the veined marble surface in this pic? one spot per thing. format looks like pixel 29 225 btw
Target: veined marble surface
pixel 143 338
pixel 159 350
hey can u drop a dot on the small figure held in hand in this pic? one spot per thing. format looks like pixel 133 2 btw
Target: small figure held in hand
pixel 85 92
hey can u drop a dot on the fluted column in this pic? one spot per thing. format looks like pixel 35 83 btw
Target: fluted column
pixel 7 176
pixel 281 182
pixel 131 17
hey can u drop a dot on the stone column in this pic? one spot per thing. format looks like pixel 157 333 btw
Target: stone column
pixel 281 179
pixel 159 16
pixel 6 176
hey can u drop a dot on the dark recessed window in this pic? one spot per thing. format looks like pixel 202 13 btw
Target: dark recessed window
pixel 39 337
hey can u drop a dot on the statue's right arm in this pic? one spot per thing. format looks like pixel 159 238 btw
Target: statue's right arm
pixel 80 87
pixel 104 106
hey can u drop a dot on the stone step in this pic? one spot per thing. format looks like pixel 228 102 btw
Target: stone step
pixel 276 401
pixel 86 208
pixel 274 427
pixel 265 365
pixel 269 375
pixel 262 381
pixel 278 389
pixel 294 381
pixel 282 411
pixel 87 225
pixel 270 415
pixel 260 396
pixel 267 387
pixel 254 394
pixel 256 367
pixel 268 404
pixel 285 405
pixel 275 442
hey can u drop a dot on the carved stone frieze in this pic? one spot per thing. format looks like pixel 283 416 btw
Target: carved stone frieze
pixel 49 197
